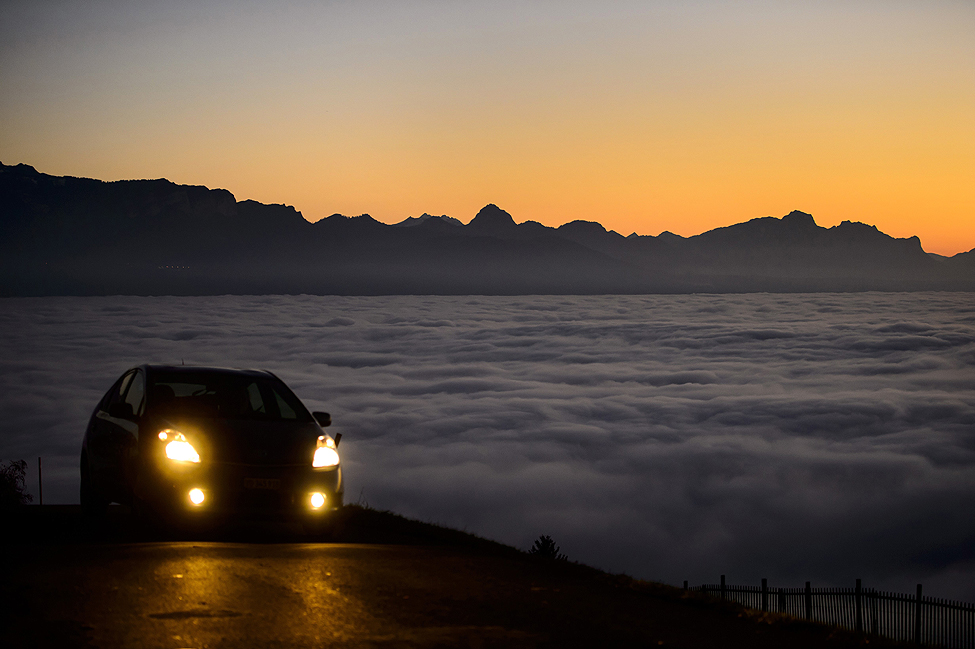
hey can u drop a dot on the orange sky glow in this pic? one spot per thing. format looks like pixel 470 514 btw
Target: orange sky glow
pixel 644 116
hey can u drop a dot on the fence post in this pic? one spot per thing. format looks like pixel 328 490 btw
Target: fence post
pixel 685 584
pixel 874 622
pixel 781 601
pixel 764 595
pixel 808 601
pixel 917 617
pixel 40 482
pixel 722 586
pixel 858 606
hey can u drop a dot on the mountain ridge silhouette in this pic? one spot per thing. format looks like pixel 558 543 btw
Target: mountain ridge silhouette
pixel 78 236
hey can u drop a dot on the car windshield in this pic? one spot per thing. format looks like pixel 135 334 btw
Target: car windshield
pixel 224 395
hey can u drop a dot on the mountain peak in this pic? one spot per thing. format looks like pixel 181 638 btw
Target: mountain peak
pixel 796 218
pixel 419 220
pixel 492 217
pixel 21 168
pixel 583 227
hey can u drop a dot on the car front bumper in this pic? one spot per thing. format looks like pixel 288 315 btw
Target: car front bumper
pixel 246 491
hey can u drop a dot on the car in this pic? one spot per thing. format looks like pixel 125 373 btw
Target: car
pixel 183 444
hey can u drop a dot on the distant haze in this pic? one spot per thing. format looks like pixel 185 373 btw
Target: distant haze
pixel 818 437
pixel 643 115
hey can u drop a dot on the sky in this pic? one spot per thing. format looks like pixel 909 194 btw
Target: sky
pixel 645 116
pixel 796 437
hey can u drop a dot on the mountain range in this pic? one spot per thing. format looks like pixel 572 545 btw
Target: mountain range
pixel 78 236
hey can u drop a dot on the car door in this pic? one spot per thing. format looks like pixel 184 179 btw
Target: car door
pixel 127 440
pixel 113 446
pixel 101 458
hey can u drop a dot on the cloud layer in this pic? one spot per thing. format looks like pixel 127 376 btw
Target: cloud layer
pixel 817 437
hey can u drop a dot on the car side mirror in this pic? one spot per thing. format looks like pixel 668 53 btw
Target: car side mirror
pixel 121 410
pixel 323 418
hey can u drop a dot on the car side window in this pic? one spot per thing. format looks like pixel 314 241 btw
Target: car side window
pixel 116 393
pixel 287 412
pixel 255 399
pixel 136 395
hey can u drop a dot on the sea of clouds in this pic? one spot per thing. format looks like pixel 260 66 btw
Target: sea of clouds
pixel 820 437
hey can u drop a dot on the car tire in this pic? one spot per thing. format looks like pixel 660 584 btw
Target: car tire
pixel 93 505
pixel 145 519
pixel 320 531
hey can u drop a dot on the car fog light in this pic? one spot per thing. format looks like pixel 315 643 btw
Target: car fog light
pixel 196 496
pixel 317 500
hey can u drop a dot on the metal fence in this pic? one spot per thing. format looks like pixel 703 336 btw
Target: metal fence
pixel 918 618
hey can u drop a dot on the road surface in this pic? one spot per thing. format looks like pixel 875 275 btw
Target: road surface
pixel 171 594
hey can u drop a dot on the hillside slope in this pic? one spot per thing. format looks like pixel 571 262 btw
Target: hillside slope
pixel 433 588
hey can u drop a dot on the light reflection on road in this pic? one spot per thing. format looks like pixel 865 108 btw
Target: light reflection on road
pixel 211 594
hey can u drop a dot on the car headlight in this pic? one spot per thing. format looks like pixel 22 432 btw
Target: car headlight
pixel 178 448
pixel 325 453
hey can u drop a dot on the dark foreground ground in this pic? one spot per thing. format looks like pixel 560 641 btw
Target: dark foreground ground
pixel 380 581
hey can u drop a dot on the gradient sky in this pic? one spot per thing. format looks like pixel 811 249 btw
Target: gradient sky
pixel 644 116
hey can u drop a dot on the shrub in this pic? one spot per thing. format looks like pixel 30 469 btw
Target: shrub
pixel 546 548
pixel 12 478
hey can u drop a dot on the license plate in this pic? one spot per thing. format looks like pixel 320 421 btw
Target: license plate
pixel 262 483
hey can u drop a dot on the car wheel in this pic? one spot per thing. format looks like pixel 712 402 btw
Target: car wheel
pixel 144 518
pixel 319 530
pixel 93 505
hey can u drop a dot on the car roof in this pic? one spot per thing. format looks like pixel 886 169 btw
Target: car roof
pixel 198 369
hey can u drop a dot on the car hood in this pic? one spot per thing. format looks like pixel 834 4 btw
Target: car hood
pixel 249 442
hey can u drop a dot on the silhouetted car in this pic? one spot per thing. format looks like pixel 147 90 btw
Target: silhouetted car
pixel 198 443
